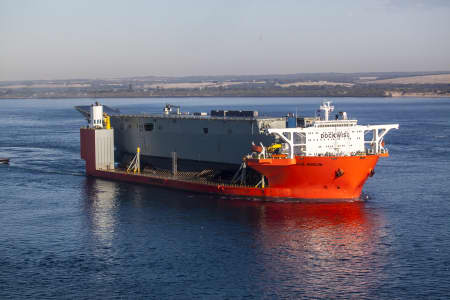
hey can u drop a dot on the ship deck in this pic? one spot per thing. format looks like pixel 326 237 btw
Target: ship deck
pixel 191 116
pixel 189 181
pixel 85 111
pixel 204 177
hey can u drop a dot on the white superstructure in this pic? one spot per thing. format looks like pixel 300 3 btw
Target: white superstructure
pixel 96 120
pixel 337 137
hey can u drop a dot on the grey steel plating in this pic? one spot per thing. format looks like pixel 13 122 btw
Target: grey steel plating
pixel 200 142
pixel 211 140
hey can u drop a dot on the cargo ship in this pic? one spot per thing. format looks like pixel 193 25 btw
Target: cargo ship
pixel 235 153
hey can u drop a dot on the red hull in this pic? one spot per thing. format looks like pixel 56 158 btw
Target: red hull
pixel 305 178
pixel 324 177
pixel 269 193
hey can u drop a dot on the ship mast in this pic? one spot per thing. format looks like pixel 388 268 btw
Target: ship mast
pixel 326 108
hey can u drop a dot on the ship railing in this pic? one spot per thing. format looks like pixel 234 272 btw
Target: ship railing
pixel 328 154
pixel 185 176
pixel 190 116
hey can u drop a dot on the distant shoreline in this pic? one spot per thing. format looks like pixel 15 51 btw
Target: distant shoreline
pixel 323 85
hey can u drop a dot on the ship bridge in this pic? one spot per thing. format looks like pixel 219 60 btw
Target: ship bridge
pixel 339 137
pixel 335 123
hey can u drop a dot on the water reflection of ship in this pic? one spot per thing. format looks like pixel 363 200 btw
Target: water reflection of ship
pixel 322 250
pixel 318 250
pixel 101 209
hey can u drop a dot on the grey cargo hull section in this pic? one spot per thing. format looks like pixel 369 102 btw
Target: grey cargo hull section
pixel 199 142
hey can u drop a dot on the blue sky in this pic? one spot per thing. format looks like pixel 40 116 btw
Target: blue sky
pixel 92 39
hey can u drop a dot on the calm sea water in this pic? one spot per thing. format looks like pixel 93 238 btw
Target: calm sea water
pixel 63 235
